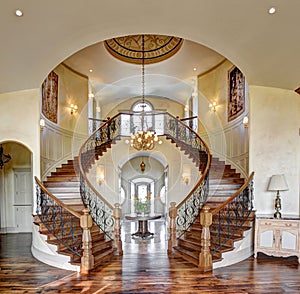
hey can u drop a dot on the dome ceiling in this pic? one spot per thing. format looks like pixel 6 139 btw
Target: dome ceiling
pixel 170 71
pixel 151 48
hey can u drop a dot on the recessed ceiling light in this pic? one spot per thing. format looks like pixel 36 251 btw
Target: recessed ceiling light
pixel 195 68
pixel 272 10
pixel 19 12
pixel 90 70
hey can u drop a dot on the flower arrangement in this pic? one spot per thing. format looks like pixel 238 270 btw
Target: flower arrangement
pixel 142 206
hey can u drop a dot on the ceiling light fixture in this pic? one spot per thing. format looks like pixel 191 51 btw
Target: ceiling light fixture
pixel 144 140
pixel 143 166
pixel 19 12
pixel 272 10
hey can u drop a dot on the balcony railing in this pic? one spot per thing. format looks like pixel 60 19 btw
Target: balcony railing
pixel 123 125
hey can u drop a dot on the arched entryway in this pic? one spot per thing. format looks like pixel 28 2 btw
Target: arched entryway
pixel 16 189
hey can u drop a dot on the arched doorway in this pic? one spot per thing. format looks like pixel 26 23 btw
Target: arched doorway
pixel 16 192
pixel 142 178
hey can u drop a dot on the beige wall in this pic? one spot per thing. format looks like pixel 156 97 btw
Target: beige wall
pixel 275 145
pixel 227 140
pixel 19 123
pixel 61 141
pixel 72 88
pixel 20 115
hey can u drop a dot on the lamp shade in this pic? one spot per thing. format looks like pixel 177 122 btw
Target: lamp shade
pixel 278 183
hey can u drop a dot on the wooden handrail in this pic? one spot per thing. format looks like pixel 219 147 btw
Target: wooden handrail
pixel 207 165
pixel 82 172
pixel 69 209
pixel 188 118
pixel 243 187
pixel 130 113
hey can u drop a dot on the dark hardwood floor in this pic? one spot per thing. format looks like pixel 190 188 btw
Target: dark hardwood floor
pixel 144 268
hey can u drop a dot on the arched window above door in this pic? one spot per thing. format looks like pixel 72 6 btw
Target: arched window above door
pixel 142 106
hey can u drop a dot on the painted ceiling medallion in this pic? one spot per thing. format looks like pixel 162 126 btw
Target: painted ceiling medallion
pixel 157 48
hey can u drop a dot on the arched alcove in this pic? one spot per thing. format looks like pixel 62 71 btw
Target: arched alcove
pixel 142 177
pixel 16 192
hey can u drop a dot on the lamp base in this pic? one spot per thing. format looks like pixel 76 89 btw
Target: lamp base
pixel 277 214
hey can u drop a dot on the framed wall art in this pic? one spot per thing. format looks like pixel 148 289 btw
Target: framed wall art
pixel 236 93
pixel 50 97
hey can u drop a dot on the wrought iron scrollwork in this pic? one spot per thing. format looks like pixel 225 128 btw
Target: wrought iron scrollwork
pixel 124 125
pixel 190 209
pixel 100 211
pixel 229 220
pixel 63 225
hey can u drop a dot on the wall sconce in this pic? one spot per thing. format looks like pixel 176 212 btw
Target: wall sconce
pixel 213 106
pixel 100 179
pixel 42 124
pixel 246 121
pixel 74 108
pixel 185 178
pixel 100 175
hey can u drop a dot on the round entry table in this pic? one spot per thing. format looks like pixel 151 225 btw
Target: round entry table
pixel 143 231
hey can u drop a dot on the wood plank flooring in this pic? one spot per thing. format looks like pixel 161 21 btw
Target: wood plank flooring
pixel 144 268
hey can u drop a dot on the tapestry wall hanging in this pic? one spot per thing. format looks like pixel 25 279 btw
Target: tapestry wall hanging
pixel 50 97
pixel 236 91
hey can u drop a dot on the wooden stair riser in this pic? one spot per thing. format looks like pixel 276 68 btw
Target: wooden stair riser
pixel 63 179
pixel 214 240
pixel 217 246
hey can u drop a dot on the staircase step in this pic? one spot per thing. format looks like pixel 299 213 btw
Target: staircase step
pixel 224 181
pixel 64 189
pixel 61 184
pixel 188 255
pixel 63 179
pixel 217 199
pixel 67 195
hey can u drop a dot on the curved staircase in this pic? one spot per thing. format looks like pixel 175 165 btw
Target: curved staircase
pixel 65 188
pixel 64 185
pixel 227 226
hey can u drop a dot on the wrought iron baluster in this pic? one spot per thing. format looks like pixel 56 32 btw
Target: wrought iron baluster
pixel 59 222
pixel 228 220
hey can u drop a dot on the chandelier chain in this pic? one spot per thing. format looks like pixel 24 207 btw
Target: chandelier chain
pixel 144 139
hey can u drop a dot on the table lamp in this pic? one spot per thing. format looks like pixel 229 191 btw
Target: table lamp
pixel 277 183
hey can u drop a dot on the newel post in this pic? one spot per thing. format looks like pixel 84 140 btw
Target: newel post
pixel 87 258
pixel 172 242
pixel 205 258
pixel 117 214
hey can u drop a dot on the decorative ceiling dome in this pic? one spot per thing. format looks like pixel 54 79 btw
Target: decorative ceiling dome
pixel 157 48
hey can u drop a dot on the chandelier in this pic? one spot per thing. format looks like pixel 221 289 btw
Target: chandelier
pixel 144 140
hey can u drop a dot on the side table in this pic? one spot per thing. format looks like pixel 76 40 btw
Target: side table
pixel 277 237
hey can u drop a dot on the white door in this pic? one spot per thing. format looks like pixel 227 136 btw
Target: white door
pixel 23 200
